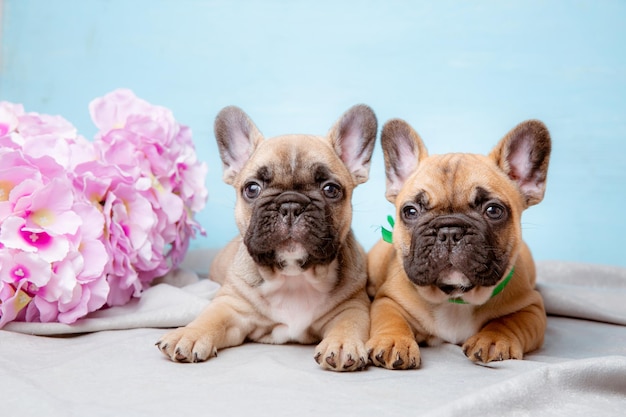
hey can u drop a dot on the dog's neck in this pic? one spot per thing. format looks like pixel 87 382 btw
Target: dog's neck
pixel 297 298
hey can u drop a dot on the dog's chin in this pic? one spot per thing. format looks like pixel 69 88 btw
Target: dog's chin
pixel 476 296
pixel 454 284
pixel 291 258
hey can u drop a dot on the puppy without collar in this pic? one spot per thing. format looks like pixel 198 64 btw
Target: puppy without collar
pixel 458 270
pixel 296 272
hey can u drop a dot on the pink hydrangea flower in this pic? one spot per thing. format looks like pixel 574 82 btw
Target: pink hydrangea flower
pixel 84 225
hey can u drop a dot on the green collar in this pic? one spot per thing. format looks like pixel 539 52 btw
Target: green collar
pixel 388 237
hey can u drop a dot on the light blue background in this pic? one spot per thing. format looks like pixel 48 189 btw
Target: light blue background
pixel 462 73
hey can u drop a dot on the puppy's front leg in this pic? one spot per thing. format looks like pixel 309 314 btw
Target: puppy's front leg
pixel 217 327
pixel 392 343
pixel 508 337
pixel 343 338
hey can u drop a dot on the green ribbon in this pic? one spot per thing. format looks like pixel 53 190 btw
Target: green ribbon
pixel 388 237
pixel 388 234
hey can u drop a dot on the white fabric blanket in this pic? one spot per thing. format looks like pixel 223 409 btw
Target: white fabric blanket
pixel 107 364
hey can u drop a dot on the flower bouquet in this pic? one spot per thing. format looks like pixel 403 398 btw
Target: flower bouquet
pixel 90 224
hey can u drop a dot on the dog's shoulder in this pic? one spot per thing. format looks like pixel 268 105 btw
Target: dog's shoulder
pixel 224 259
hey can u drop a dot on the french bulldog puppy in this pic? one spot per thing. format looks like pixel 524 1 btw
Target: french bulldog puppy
pixel 458 270
pixel 296 272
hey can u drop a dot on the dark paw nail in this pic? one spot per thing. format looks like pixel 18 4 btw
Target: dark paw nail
pixel 398 362
pixel 179 356
pixel 479 355
pixel 331 360
pixel 349 362
pixel 317 357
pixel 380 358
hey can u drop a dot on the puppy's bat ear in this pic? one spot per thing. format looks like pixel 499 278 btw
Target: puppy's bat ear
pixel 237 137
pixel 523 154
pixel 353 137
pixel 403 149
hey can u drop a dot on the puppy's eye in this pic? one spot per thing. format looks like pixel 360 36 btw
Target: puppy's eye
pixel 410 213
pixel 252 190
pixel 331 190
pixel 494 211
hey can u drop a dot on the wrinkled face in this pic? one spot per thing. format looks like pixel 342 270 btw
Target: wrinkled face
pixel 458 226
pixel 293 204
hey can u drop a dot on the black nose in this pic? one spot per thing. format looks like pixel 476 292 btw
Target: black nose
pixel 290 210
pixel 450 234
pixel 291 205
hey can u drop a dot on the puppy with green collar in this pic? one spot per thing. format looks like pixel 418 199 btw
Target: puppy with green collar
pixel 458 270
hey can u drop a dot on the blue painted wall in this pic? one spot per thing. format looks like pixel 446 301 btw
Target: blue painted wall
pixel 463 73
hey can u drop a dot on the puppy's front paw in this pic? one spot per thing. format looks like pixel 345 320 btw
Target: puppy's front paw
pixel 394 352
pixel 341 355
pixel 187 345
pixel 488 346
